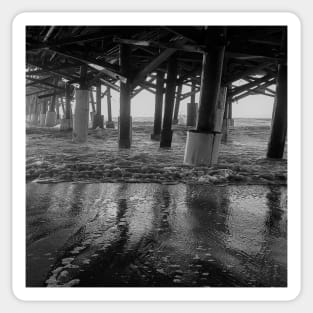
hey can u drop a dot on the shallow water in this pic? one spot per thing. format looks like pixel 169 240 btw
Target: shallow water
pixel 52 156
pixel 119 234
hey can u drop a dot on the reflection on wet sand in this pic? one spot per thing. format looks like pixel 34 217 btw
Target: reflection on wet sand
pixel 114 234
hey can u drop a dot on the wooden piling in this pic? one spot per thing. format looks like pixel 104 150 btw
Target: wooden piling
pixel 279 121
pixel 212 66
pixel 58 108
pixel 109 123
pixel 167 133
pixel 66 121
pixel 125 93
pixel 67 102
pixel 98 98
pixel 177 104
pixel 80 123
pixel 98 118
pixel 202 144
pixel 158 106
pixel 192 107
pixel 52 103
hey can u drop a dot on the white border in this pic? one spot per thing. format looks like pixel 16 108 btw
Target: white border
pixel 153 294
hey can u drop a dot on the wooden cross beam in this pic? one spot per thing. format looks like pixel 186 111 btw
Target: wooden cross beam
pixel 49 32
pixel 53 71
pixel 245 87
pixel 157 44
pixel 52 94
pixel 190 93
pixel 136 92
pixel 108 84
pixel 188 76
pixel 147 88
pixel 67 41
pixel 43 71
pixel 141 75
pixel 38 81
pixel 103 67
pixel 249 79
pixel 254 90
pixel 248 72
pixel 38 91
pixel 253 56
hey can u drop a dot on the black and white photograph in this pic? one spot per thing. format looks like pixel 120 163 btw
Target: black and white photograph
pixel 156 156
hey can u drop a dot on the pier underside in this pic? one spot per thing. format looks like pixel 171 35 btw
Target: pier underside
pixel 119 201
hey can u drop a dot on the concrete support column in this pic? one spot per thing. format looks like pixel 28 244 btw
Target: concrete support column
pixel 167 133
pixel 158 106
pixel 125 127
pixel 203 143
pixel 98 118
pixel 276 144
pixel 192 108
pixel 43 111
pixel 177 104
pixel 66 122
pixel 80 124
pixel 109 123
pixel 51 116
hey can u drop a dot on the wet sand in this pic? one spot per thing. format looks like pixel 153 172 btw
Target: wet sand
pixel 52 156
pixel 118 234
pixel 98 215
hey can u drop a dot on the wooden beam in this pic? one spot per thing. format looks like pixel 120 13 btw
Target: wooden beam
pixel 103 67
pixel 137 91
pixel 245 87
pixel 145 87
pixel 157 44
pixel 153 65
pixel 53 71
pixel 249 80
pixel 109 84
pixel 38 81
pixel 38 92
pixel 190 93
pixel 67 41
pixel 49 32
pixel 252 56
pixel 59 93
pixel 248 72
pixel 108 72
pixel 254 90
pixel 42 71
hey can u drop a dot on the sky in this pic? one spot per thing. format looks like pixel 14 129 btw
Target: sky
pixel 255 106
